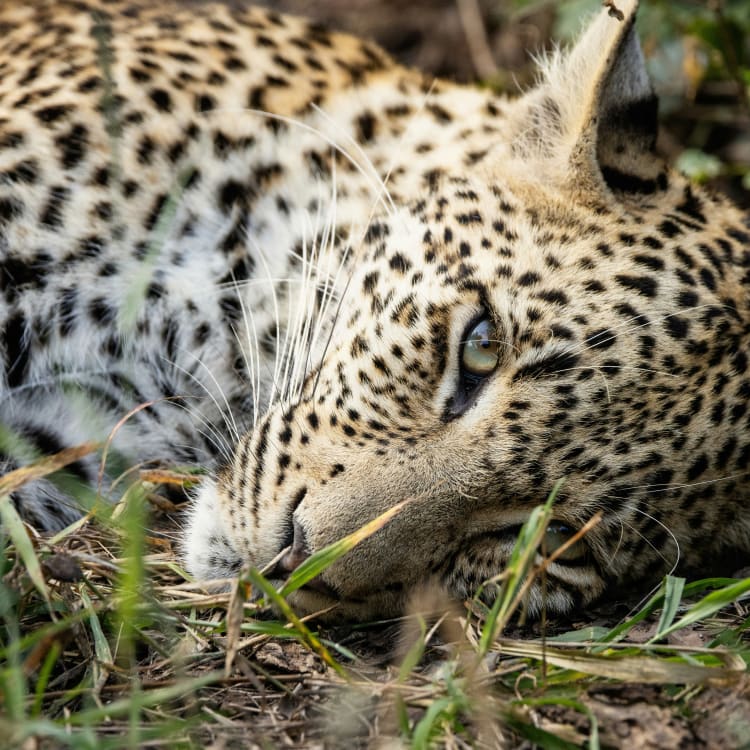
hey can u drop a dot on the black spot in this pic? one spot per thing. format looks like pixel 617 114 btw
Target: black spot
pixel 592 285
pixel 277 82
pixel 561 332
pixel 53 113
pixel 26 171
pixel 11 140
pixel 103 210
pixel 370 282
pixel 234 63
pixel 145 150
pixel 129 188
pixel 602 339
pixel 154 291
pixel 101 177
pixel 201 333
pixel 472 217
pixel 366 127
pixel 175 151
pixel 101 312
pixel 708 279
pixel 68 299
pixel 205 103
pixel 677 327
pixel 15 336
pixel 698 467
pixel 139 75
pixel 52 212
pixel 376 231
pixel 654 244
pixel 739 362
pixel 399 262
pixel 554 296
pixel 725 453
pixel 231 307
pixel 529 278
pixel 9 208
pixel 440 114
pixel 156 210
pixel 230 193
pixel 644 285
pixel 669 228
pixel 650 261
pixel 553 364
pixel 161 100
pixel 691 206
pixel 255 98
pixel 687 298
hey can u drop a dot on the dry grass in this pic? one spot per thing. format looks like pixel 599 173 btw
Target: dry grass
pixel 107 644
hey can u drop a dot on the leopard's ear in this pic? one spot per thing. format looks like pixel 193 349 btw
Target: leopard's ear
pixel 593 120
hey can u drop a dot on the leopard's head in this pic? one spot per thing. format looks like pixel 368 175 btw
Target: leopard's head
pixel 563 310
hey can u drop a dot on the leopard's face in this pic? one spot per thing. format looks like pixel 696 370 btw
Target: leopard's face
pixel 489 344
pixel 564 308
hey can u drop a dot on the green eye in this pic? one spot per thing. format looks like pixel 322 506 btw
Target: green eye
pixel 557 534
pixel 480 353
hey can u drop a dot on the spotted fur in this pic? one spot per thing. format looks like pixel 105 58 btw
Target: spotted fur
pixel 278 240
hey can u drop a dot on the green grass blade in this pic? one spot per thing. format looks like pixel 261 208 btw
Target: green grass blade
pixel 122 707
pixel 137 290
pixel 414 655
pixel 542 738
pixel 426 726
pixel 15 529
pixel 708 606
pixel 524 553
pixel 317 563
pixel 12 680
pixel 50 659
pixel 101 645
pixel 621 666
pixel 620 631
pixel 673 588
pixel 299 628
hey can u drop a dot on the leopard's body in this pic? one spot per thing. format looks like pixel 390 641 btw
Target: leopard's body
pixel 281 240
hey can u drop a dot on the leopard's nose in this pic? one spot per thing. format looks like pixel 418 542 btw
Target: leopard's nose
pixel 297 553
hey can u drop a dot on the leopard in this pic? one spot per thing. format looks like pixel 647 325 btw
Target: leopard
pixel 236 240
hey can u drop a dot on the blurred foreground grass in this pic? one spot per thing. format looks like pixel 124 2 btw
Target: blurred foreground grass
pixel 107 643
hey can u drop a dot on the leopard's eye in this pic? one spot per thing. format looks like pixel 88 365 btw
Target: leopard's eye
pixel 480 352
pixel 558 533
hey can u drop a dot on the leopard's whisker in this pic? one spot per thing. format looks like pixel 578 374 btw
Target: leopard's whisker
pixel 249 351
pixel 226 411
pixel 372 178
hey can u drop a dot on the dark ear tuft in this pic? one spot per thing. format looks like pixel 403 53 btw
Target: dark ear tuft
pixel 628 124
pixel 591 125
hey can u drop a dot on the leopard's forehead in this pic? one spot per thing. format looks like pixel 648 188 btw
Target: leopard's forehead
pixel 536 262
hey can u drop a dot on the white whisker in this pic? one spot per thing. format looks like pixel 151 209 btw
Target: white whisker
pixel 374 180
pixel 226 414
